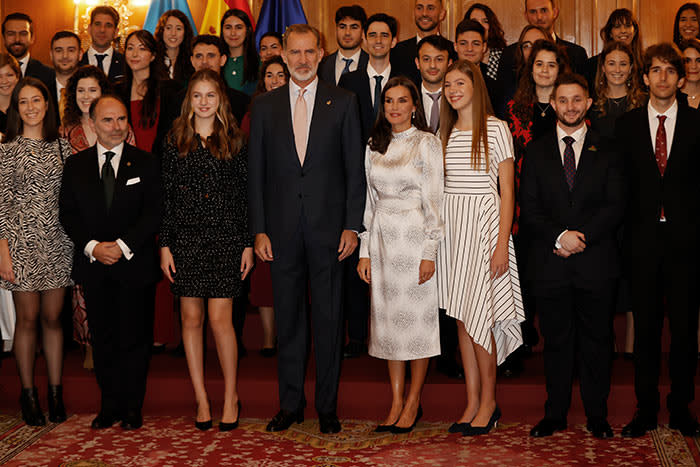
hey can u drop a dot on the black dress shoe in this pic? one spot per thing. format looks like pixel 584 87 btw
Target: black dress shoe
pixel 547 427
pixel 354 349
pixel 228 426
pixel 449 367
pixel 328 423
pixel 459 427
pixel 104 420
pixel 132 421
pixel 685 423
pixel 599 428
pixel 397 430
pixel 284 420
pixel 639 426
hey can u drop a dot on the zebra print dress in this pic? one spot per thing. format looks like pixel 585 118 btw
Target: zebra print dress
pixel 30 181
pixel 471 212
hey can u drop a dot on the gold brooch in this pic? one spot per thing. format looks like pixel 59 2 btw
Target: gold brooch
pixel 592 148
pixel 328 102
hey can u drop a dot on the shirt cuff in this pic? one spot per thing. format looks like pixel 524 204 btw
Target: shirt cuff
pixel 89 248
pixel 557 245
pixel 128 254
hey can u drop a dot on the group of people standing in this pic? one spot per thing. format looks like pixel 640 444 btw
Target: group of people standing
pixel 467 173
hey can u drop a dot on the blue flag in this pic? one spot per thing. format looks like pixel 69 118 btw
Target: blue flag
pixel 158 7
pixel 276 15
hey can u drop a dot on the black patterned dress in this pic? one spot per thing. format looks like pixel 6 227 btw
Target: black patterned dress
pixel 205 223
pixel 30 182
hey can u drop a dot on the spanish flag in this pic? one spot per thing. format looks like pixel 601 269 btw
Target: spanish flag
pixel 216 9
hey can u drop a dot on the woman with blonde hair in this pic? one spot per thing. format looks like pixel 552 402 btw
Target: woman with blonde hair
pixel 206 248
pixel 477 274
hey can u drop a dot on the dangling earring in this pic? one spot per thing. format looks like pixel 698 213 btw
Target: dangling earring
pixel 413 115
pixel 629 82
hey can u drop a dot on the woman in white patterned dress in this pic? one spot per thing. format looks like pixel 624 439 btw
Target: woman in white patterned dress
pixel 398 249
pixel 36 255
pixel 477 273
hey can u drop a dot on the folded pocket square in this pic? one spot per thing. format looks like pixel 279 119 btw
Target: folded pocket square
pixel 133 181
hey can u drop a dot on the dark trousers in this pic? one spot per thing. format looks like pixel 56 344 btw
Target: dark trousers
pixel 355 300
pixel 299 261
pixel 120 318
pixel 575 324
pixel 666 275
pixel 448 336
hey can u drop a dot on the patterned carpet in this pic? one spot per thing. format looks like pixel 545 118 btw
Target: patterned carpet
pixel 173 441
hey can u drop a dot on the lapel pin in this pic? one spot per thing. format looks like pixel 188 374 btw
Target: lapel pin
pixel 592 148
pixel 328 102
pixel 128 164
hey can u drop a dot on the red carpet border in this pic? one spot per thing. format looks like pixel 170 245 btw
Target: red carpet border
pixel 173 441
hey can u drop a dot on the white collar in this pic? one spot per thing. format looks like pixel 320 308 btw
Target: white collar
pixel 294 88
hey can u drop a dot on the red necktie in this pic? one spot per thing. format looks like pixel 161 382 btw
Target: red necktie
pixel 661 151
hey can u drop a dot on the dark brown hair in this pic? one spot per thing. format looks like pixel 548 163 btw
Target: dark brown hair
pixel 105 10
pixel 496 38
pixel 481 111
pixel 519 57
pixel 382 134
pixel 183 65
pixel 620 17
pixel 635 94
pixel 667 53
pixel 260 88
pixel 676 29
pixel 156 74
pixel 15 125
pixel 72 113
pixel 227 139
pixel 11 61
pixel 250 54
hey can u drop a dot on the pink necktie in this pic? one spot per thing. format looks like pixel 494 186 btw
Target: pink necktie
pixel 300 125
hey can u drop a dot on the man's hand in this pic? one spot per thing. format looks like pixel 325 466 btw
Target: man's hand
pixel 562 252
pixel 107 253
pixel 263 247
pixel 348 243
pixel 573 241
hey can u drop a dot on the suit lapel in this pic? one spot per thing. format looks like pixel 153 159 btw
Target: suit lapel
pixel 123 174
pixel 679 139
pixel 289 124
pixel 321 114
pixel 586 159
pixel 556 163
pixel 94 183
pixel 645 135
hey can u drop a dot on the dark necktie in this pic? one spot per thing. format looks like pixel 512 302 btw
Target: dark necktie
pixel 348 62
pixel 108 178
pixel 100 61
pixel 21 64
pixel 569 161
pixel 435 111
pixel 377 93
pixel 661 151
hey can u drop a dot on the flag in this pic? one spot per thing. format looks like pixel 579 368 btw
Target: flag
pixel 215 11
pixel 276 15
pixel 158 7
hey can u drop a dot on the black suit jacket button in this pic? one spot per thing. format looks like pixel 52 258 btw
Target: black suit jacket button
pixel 299 195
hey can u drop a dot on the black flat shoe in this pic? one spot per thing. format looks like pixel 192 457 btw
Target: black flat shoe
pixel 684 422
pixel 284 420
pixel 459 427
pixel 547 427
pixel 328 423
pixel 31 410
pixel 104 420
pixel 57 411
pixel 638 426
pixel 600 428
pixel 482 430
pixel 132 421
pixel 228 426
pixel 397 430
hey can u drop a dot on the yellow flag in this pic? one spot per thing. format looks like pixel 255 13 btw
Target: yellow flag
pixel 215 10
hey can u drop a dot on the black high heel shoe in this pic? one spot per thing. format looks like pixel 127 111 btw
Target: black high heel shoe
pixel 385 428
pixel 223 426
pixel 31 411
pixel 57 411
pixel 205 425
pixel 397 430
pixel 482 430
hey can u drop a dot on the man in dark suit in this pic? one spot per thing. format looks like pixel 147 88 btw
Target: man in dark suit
pixel 104 21
pixel 367 84
pixel 110 205
pixel 18 38
pixel 428 15
pixel 349 24
pixel 660 144
pixel 470 44
pixel 306 200
pixel 572 201
pixel 380 35
pixel 65 54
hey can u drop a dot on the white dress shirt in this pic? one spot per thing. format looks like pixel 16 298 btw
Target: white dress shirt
pixel 101 158
pixel 428 102
pixel 371 72
pixel 24 61
pixel 309 98
pixel 340 63
pixel 579 137
pixel 670 125
pixel 106 62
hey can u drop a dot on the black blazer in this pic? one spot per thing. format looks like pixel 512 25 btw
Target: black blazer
pixel 53 93
pixel 328 191
pixel 117 68
pixel 678 190
pixel 38 70
pixel 134 216
pixel 594 207
pixel 358 82
pixel 326 69
pixel 403 59
pixel 577 55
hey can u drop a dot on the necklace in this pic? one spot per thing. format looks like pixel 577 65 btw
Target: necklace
pixel 618 100
pixel 543 110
